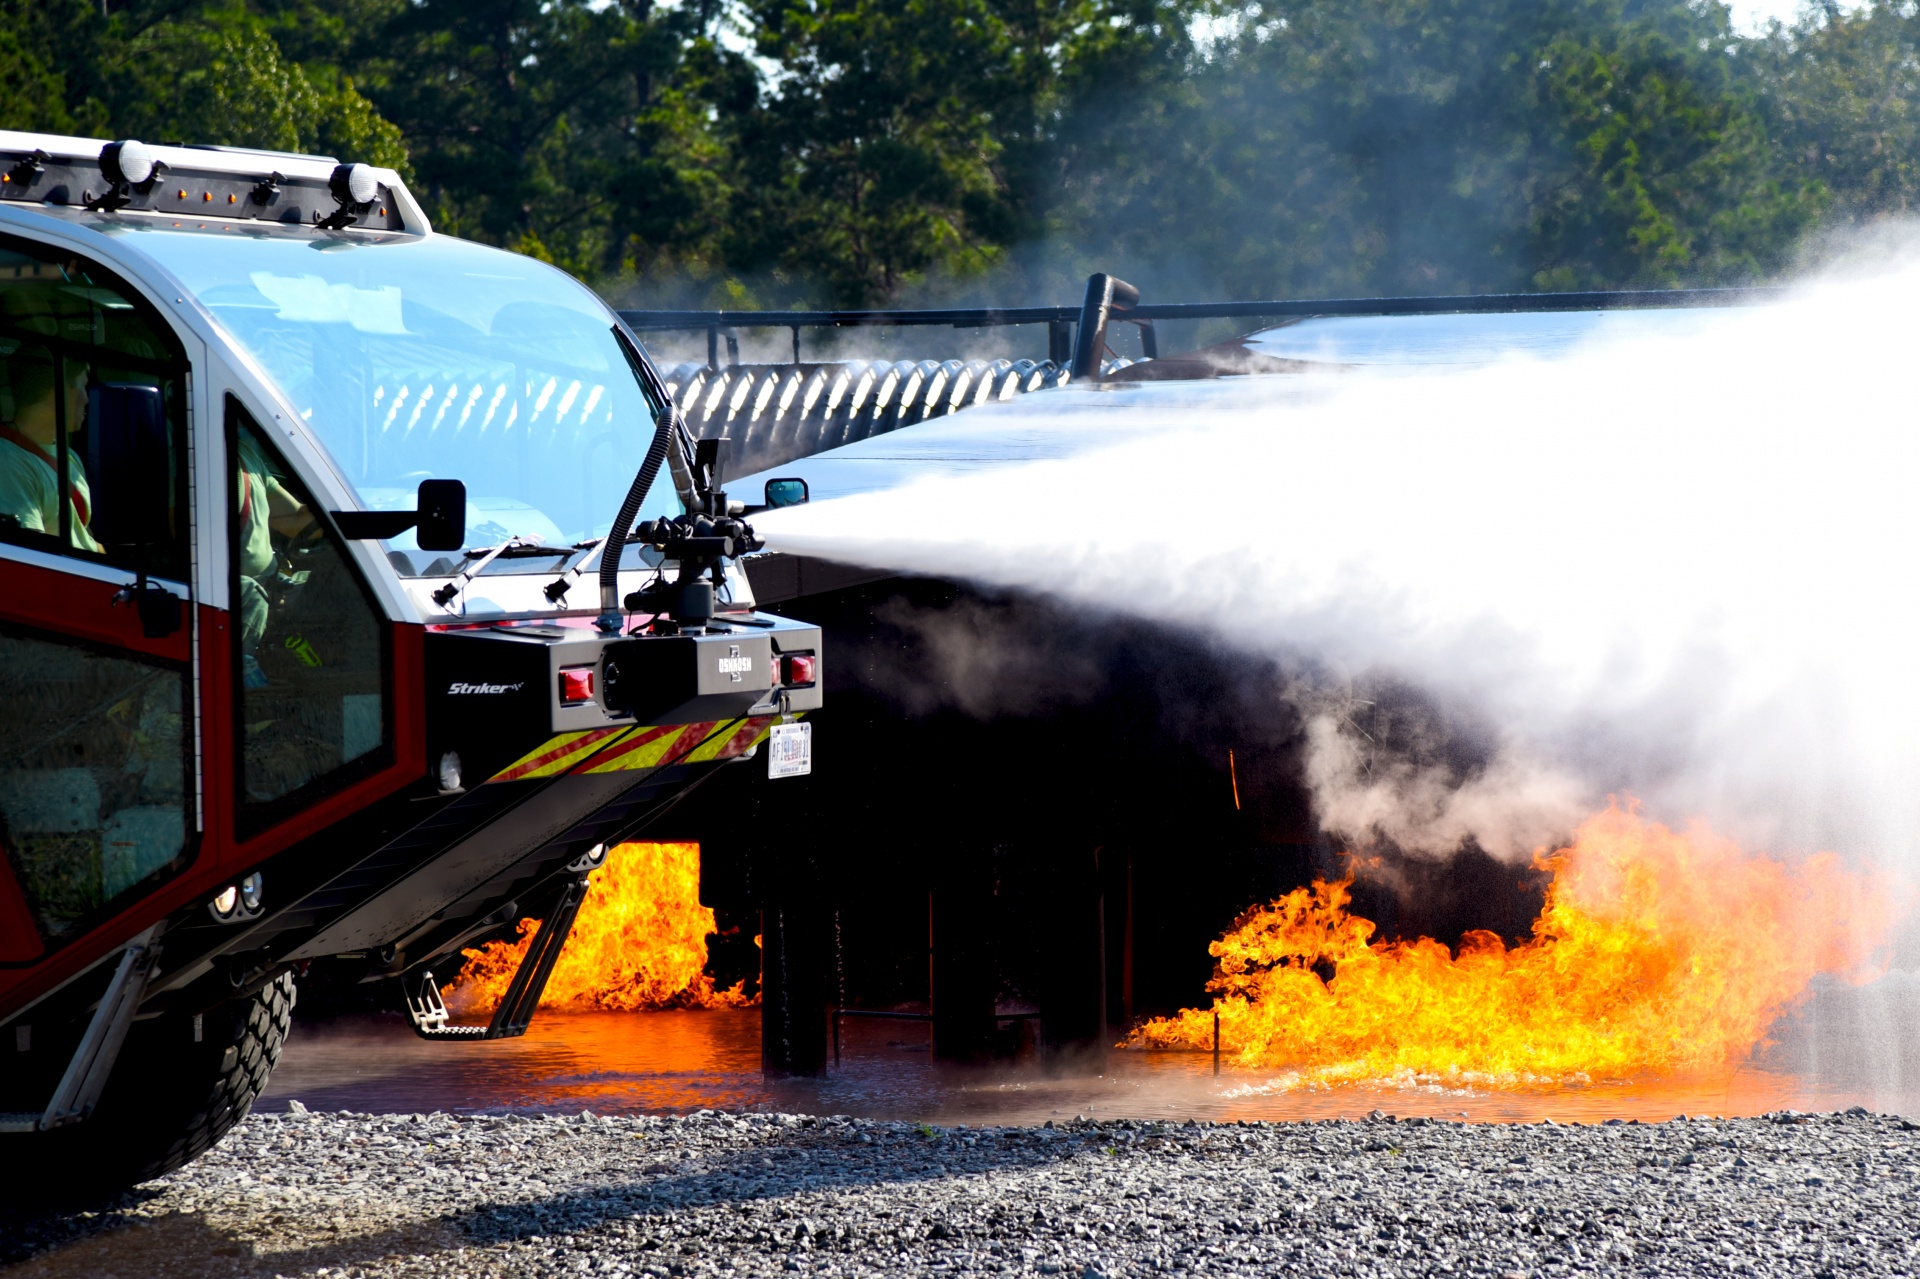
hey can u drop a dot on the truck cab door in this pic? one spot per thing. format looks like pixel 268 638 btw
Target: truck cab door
pixel 311 655
pixel 99 801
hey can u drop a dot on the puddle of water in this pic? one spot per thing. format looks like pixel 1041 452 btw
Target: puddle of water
pixel 675 1062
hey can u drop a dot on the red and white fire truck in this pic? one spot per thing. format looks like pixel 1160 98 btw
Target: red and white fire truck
pixel 359 586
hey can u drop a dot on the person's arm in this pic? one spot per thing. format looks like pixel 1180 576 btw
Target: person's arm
pixel 286 513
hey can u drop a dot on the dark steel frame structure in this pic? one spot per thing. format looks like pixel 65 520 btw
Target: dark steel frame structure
pixel 1078 334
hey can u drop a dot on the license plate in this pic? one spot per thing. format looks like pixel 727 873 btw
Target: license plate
pixel 790 750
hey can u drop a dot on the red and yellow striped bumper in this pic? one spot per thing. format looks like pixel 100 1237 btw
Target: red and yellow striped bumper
pixel 618 750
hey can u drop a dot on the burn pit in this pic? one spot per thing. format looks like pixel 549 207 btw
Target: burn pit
pixel 638 943
pixel 1046 821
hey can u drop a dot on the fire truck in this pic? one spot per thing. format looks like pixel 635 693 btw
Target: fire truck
pixel 359 588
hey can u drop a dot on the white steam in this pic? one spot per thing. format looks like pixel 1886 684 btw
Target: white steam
pixel 1683 569
pixel 1512 806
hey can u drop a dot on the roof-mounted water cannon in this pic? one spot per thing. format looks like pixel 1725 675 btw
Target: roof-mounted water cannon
pixel 700 541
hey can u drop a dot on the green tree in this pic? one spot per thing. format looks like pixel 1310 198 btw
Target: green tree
pixel 35 90
pixel 1656 168
pixel 219 76
pixel 874 150
pixel 179 72
pixel 903 136
pixel 43 43
pixel 1842 93
pixel 570 130
pixel 1435 146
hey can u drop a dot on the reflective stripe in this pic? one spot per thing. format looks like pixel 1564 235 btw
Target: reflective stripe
pixel 749 733
pixel 626 750
pixel 645 748
pixel 682 744
pixel 557 754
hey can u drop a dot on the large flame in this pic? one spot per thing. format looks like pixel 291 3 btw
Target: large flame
pixel 639 941
pixel 1655 952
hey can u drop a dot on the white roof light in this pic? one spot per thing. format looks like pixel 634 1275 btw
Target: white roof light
pixel 354 184
pixel 127 161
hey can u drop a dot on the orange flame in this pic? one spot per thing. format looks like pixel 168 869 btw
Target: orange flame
pixel 1655 952
pixel 639 941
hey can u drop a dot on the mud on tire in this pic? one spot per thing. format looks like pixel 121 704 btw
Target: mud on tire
pixel 168 1100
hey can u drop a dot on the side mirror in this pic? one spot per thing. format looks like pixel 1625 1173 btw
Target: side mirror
pixel 785 492
pixel 129 471
pixel 440 515
pixel 442 512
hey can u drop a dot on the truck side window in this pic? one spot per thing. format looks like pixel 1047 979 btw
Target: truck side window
pixel 93 776
pixel 310 652
pixel 91 406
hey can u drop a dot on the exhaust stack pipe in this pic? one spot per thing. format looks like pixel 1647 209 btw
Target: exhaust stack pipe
pixel 1107 296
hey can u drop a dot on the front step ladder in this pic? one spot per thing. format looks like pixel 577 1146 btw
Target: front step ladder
pixel 86 1077
pixel 428 1012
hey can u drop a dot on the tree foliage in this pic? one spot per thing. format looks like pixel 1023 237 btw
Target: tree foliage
pixel 859 151
pixel 1844 103
pixel 1444 145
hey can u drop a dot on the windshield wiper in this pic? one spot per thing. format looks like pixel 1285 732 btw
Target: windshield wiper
pixel 527 551
pixel 513 548
pixel 560 585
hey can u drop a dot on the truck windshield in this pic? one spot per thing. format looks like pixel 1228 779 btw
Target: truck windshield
pixel 417 358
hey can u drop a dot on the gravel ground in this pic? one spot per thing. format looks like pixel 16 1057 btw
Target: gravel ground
pixel 440 1195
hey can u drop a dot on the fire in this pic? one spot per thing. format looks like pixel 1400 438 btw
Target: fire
pixel 639 941
pixel 1655 953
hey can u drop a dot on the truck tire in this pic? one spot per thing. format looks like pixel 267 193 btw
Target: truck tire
pixel 167 1102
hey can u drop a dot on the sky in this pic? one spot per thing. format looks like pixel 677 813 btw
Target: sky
pixel 1752 15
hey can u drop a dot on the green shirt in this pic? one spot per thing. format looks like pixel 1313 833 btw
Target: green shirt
pixel 253 502
pixel 30 492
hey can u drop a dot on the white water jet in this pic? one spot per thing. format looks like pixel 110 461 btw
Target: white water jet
pixel 1680 567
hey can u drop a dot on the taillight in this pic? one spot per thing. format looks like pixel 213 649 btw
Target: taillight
pixel 800 668
pixel 576 684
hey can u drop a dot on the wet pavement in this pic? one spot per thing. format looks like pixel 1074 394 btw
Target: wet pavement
pixel 678 1062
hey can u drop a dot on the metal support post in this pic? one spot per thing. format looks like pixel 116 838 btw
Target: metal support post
pixel 1106 296
pixel 1149 341
pixel 1060 342
pixel 79 1089
pixel 796 998
pixel 428 1013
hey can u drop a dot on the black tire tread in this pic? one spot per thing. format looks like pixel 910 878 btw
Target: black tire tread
pixel 261 1028
pixel 168 1101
